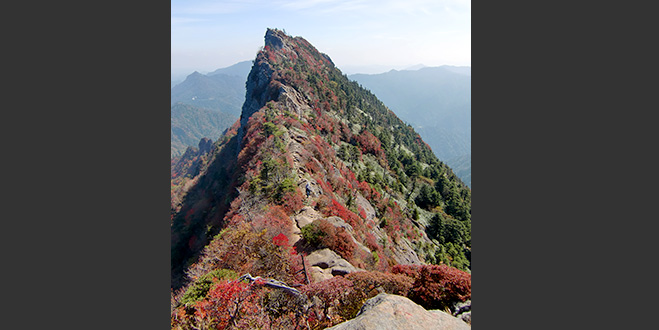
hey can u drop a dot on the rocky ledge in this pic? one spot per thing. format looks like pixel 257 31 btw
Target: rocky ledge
pixel 393 312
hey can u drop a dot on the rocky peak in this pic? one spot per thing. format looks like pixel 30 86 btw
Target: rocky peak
pixel 267 78
pixel 205 145
pixel 195 74
pixel 274 38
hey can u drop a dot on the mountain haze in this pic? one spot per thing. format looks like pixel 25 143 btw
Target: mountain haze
pixel 437 102
pixel 321 197
pixel 190 124
pixel 219 92
pixel 206 105
pixel 240 70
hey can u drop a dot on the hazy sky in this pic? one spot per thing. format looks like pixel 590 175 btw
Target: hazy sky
pixel 212 34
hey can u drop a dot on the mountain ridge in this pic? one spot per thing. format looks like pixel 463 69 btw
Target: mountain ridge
pixel 240 69
pixel 315 162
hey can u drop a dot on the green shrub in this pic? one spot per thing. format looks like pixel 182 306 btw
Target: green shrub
pixel 271 129
pixel 312 234
pixel 199 288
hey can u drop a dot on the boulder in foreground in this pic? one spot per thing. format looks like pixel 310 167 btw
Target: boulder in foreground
pixel 392 312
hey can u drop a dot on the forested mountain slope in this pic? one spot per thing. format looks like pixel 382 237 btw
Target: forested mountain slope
pixel 436 101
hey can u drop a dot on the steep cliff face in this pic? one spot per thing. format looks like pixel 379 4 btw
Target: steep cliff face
pixel 315 163
pixel 259 90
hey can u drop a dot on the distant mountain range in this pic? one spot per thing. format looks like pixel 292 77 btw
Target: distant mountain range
pixel 221 90
pixel 204 105
pixel 189 124
pixel 437 102
pixel 240 69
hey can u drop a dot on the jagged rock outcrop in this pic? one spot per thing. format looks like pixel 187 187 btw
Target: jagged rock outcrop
pixel 189 165
pixel 205 145
pixel 392 312
pixel 274 39
pixel 257 90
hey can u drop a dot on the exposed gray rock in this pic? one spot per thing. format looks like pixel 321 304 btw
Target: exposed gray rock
pixel 327 258
pixel 318 274
pixel 393 312
pixel 306 216
pixel 273 38
pixel 326 264
pixel 294 101
pixel 256 86
pixel 309 187
pixel 338 222
pixel 404 253
pixel 368 208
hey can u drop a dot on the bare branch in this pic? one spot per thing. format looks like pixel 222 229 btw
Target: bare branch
pixel 270 282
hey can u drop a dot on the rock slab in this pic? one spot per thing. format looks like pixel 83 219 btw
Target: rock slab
pixel 393 312
pixel 326 264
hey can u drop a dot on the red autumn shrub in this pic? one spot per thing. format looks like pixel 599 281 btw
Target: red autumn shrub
pixel 325 186
pixel 280 240
pixel 243 250
pixel 365 189
pixel 323 203
pixel 292 201
pixel 322 234
pixel 340 211
pixel 336 301
pixel 362 212
pixel 275 221
pixel 343 244
pixel 436 286
pixel 370 283
pixel 370 144
pixel 371 242
pixel 312 166
pixel 226 304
